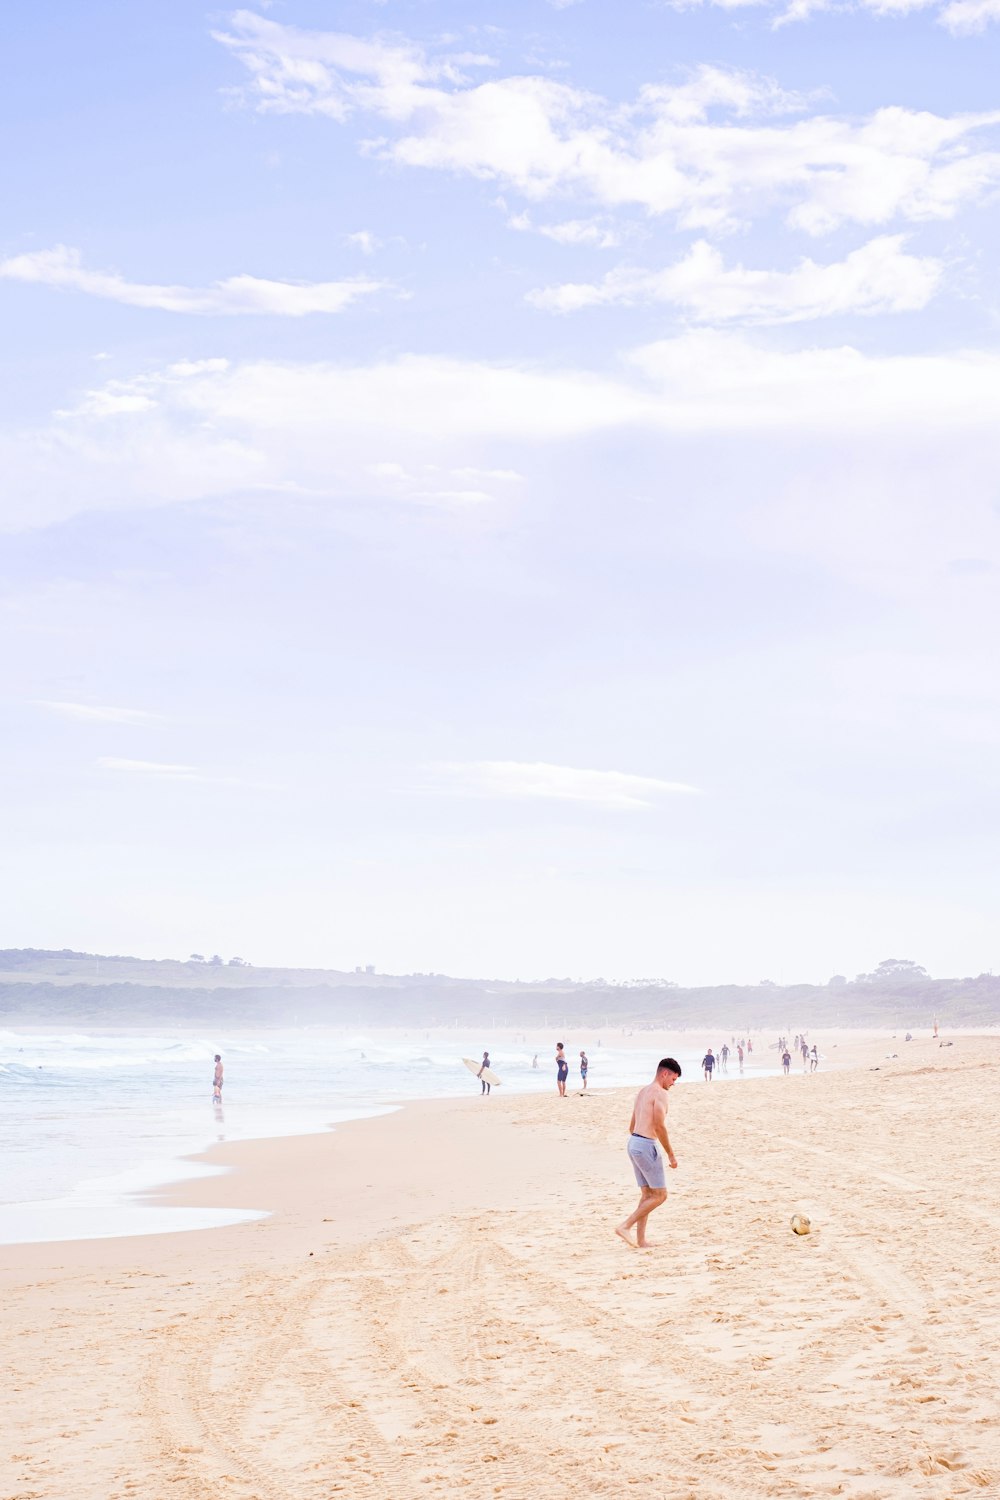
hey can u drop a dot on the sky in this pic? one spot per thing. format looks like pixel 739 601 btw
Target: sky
pixel 504 491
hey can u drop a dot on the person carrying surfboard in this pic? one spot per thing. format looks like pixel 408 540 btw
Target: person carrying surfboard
pixel 484 1081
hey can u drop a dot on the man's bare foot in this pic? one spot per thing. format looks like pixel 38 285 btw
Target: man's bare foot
pixel 622 1235
pixel 648 1245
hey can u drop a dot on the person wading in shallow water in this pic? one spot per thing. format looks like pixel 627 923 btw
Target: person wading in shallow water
pixel 647 1127
pixel 562 1069
pixel 217 1080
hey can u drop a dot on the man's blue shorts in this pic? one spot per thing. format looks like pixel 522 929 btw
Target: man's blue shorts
pixel 647 1163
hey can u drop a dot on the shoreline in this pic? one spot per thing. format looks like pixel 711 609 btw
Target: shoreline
pixel 117 1207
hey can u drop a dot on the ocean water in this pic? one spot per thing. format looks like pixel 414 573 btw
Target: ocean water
pixel 90 1122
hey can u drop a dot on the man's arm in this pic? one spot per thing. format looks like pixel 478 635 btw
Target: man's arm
pixel 660 1127
pixel 631 1124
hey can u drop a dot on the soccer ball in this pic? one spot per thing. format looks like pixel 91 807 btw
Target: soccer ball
pixel 800 1224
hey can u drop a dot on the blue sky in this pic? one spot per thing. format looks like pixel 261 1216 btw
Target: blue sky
pixel 503 492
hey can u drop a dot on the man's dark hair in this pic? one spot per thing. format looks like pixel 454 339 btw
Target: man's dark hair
pixel 670 1064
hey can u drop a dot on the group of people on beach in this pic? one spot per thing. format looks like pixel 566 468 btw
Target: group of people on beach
pixel 712 1060
pixel 809 1055
pixel 562 1070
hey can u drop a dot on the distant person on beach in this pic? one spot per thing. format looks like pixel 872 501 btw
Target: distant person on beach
pixel 739 1056
pixel 562 1069
pixel 708 1065
pixel 484 1081
pixel 814 1058
pixel 648 1126
pixel 217 1079
pixel 786 1060
pixel 724 1059
pixel 584 1065
pixel 534 1061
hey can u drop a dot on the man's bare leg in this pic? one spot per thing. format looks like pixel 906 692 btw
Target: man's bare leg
pixel 640 1230
pixel 650 1198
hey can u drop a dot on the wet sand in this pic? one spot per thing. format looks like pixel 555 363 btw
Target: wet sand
pixel 439 1304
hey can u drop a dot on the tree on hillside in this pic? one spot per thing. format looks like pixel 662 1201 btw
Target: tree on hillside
pixel 894 970
pixel 900 968
pixel 196 958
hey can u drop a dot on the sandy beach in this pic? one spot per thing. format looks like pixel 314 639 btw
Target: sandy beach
pixel 438 1304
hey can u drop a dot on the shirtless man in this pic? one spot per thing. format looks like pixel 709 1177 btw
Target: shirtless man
pixel 217 1080
pixel 647 1126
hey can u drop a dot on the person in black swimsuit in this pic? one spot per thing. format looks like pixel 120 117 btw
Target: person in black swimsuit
pixel 484 1081
pixel 562 1069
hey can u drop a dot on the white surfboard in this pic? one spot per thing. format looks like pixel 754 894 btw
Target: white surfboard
pixel 488 1073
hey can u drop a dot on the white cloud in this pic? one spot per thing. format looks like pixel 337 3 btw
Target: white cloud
pixel 96 714
pixel 599 232
pixel 876 278
pixel 529 780
pixel 965 16
pixel 471 472
pixel 198 429
pixel 582 232
pixel 363 240
pixel 708 151
pixel 167 771
pixel 429 485
pixel 450 497
pixel 63 267
pixel 150 768
pixel 958 16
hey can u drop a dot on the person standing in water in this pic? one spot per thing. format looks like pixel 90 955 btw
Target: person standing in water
pixel 647 1128
pixel 484 1081
pixel 534 1061
pixel 217 1080
pixel 584 1065
pixel 708 1065
pixel 562 1069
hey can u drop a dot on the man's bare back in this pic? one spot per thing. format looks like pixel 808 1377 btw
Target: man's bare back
pixel 649 1116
